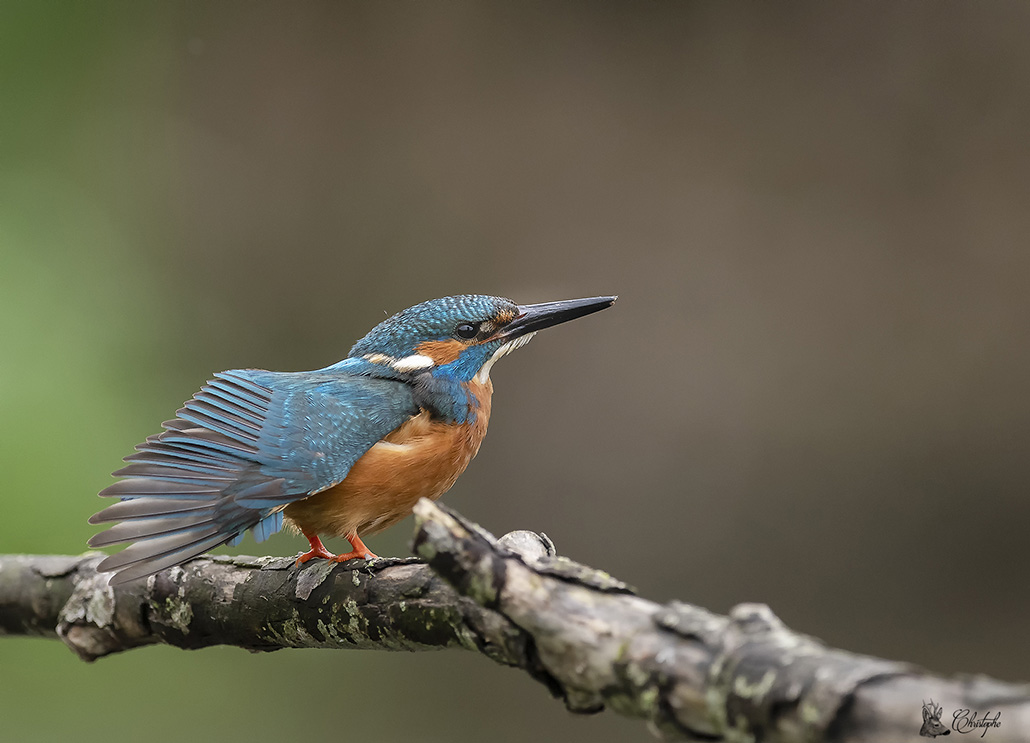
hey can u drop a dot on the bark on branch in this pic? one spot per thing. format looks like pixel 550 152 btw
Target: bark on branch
pixel 586 636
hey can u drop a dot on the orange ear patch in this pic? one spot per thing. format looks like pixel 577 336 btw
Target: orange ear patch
pixel 441 352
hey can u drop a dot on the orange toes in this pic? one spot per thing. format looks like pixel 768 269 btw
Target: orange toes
pixel 310 554
pixel 354 555
pixel 317 550
pixel 359 550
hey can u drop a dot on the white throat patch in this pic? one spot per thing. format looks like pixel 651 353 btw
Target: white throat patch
pixel 484 371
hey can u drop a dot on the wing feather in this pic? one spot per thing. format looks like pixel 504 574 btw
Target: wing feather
pixel 249 443
pixel 142 508
pixel 152 556
pixel 136 529
pixel 226 403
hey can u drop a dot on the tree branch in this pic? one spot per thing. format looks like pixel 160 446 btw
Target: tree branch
pixel 594 643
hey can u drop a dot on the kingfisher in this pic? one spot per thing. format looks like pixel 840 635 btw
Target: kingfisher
pixel 342 451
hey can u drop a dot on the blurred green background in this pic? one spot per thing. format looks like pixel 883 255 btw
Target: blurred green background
pixel 812 393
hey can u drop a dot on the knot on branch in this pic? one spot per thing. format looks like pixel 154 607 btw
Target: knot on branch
pixel 86 622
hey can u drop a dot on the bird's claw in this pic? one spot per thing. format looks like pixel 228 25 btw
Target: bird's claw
pixel 355 555
pixel 313 553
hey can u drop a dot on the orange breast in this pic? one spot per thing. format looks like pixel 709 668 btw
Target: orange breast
pixel 421 459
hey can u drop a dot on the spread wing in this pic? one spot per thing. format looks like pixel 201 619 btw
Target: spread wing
pixel 243 448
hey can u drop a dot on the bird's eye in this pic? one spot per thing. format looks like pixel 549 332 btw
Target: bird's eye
pixel 467 331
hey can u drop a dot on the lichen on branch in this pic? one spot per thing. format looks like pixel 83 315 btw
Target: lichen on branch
pixel 594 643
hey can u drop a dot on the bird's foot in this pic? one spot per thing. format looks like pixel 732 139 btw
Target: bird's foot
pixel 318 551
pixel 355 554
pixel 358 550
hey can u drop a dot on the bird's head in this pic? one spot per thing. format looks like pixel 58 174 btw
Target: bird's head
pixel 461 337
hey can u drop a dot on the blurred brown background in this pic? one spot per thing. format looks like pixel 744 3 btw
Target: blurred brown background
pixel 812 392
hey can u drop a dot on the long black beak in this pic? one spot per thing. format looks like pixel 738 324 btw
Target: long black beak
pixel 534 317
